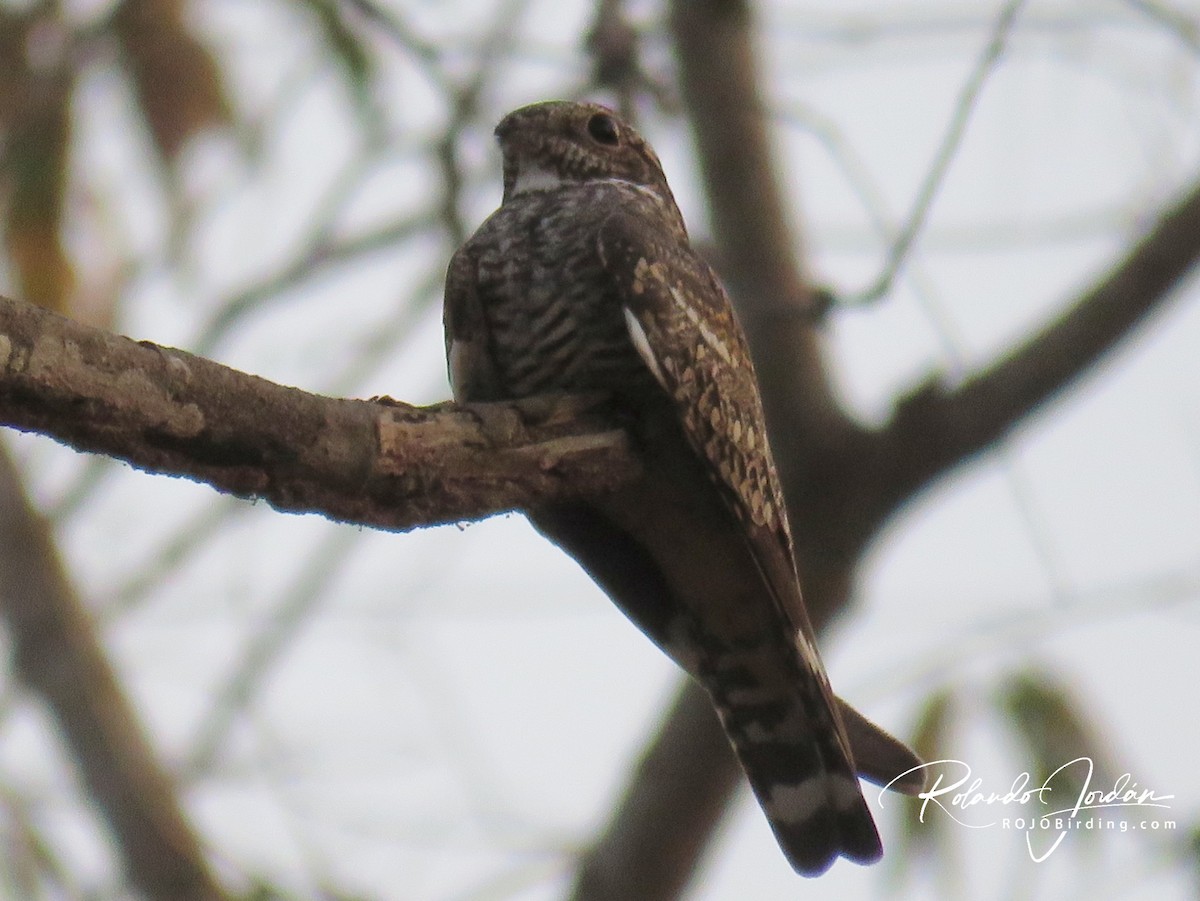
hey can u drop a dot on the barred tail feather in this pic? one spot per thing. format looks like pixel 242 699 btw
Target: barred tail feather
pixel 805 786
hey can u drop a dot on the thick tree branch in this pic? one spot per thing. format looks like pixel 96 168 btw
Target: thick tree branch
pixel 380 463
pixel 56 655
pixel 759 256
pixel 668 816
pixel 935 428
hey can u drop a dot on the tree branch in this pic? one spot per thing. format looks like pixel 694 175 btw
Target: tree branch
pixel 759 257
pixel 935 429
pixel 376 463
pixel 56 654
pixel 759 254
pixel 669 814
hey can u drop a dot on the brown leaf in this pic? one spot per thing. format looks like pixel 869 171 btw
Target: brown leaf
pixel 33 172
pixel 176 80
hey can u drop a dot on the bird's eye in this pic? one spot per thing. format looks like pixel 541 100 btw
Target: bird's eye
pixel 603 128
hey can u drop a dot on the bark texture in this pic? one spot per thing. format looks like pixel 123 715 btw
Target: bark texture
pixel 378 463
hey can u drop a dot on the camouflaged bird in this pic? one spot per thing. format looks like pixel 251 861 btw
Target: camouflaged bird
pixel 584 280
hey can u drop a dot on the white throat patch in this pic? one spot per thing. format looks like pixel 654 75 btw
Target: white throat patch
pixel 536 178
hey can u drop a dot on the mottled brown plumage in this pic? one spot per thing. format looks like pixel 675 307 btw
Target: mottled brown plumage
pixel 584 280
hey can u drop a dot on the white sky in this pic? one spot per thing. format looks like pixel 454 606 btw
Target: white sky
pixel 459 707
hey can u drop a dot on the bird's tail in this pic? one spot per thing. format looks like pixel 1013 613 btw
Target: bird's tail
pixel 879 756
pixel 792 751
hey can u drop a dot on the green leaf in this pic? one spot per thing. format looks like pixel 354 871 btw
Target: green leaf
pixel 929 846
pixel 1052 725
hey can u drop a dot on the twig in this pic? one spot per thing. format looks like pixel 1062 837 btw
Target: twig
pixel 937 428
pixel 1186 28
pixel 963 109
pixel 300 600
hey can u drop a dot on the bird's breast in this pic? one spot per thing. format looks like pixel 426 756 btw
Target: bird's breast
pixel 554 314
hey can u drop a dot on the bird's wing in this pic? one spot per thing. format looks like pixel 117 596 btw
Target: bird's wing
pixel 468 355
pixel 772 692
pixel 682 324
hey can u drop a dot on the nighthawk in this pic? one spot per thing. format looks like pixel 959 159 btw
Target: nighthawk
pixel 584 281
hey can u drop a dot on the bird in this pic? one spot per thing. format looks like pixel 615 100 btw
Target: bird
pixel 584 280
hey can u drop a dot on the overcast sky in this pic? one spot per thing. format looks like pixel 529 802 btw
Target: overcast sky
pixel 459 707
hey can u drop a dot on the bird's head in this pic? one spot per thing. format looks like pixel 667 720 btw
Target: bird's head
pixel 547 145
